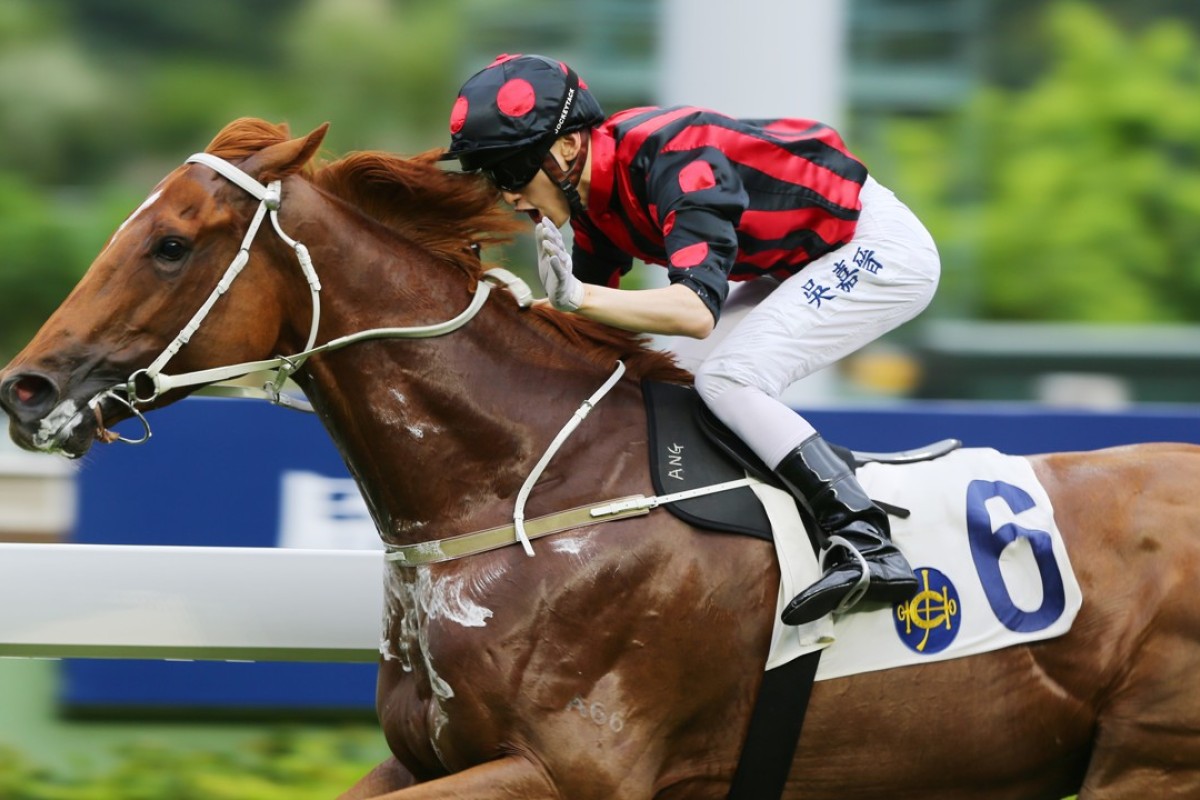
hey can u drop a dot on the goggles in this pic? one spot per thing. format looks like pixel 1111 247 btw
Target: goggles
pixel 515 172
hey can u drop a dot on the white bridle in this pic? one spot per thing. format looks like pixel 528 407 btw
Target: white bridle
pixel 146 385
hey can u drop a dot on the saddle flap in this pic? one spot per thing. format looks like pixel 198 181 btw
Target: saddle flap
pixel 682 457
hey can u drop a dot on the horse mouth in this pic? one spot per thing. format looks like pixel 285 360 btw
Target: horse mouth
pixel 67 430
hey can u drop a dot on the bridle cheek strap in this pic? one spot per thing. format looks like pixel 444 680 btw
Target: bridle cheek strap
pixel 145 385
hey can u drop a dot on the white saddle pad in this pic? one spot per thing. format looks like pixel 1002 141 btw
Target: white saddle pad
pixel 992 567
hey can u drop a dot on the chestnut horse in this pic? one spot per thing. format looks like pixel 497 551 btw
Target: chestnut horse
pixel 488 659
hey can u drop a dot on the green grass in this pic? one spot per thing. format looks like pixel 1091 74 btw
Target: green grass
pixel 280 766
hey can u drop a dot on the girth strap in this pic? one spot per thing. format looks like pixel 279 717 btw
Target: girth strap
pixel 412 555
pixel 775 725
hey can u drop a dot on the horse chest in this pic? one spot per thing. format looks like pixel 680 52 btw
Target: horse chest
pixel 429 612
pixel 434 620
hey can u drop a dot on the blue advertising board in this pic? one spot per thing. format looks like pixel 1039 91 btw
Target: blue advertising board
pixel 240 473
pixel 1016 428
pixel 231 474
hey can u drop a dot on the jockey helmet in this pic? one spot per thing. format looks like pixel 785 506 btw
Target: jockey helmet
pixel 508 115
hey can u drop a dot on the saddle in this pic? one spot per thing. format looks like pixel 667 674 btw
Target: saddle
pixel 690 448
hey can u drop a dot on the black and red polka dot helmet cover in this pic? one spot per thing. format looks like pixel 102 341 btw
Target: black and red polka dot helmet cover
pixel 516 102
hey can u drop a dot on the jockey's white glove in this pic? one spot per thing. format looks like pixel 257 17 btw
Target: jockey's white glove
pixel 563 289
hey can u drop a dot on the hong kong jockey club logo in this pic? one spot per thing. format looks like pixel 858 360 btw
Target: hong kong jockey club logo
pixel 929 622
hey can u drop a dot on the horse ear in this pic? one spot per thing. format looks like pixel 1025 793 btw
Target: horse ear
pixel 280 160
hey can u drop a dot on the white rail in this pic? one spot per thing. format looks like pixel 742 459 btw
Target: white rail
pixel 209 603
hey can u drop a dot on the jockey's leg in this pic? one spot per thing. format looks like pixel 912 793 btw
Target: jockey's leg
pixel 850 530
pixel 885 276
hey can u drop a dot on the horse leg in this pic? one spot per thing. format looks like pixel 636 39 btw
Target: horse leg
pixel 387 777
pixel 513 777
pixel 1116 771
pixel 1146 744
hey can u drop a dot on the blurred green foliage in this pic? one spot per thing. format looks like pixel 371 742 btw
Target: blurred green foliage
pixel 99 100
pixel 1077 198
pixel 282 765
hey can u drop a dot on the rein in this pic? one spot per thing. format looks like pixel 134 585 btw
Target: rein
pixel 147 385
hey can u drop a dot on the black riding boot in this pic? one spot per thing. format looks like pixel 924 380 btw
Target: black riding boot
pixel 841 508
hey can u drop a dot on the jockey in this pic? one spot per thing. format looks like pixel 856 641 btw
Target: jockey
pixel 835 259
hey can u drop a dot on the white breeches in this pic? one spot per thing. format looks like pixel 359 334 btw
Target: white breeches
pixel 772 334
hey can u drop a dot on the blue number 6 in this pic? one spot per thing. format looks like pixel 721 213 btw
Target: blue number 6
pixel 987 546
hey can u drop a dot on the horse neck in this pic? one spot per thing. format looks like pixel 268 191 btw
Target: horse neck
pixel 441 433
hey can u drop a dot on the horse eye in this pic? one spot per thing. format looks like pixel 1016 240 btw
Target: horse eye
pixel 172 248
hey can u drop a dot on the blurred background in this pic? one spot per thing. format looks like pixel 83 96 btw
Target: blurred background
pixel 1051 146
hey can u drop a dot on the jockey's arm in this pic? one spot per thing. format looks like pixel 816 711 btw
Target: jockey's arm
pixel 673 310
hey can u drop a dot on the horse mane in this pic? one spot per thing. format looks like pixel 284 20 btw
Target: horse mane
pixel 445 212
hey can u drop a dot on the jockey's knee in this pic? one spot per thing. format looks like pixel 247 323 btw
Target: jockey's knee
pixel 717 378
pixel 729 398
pixel 710 385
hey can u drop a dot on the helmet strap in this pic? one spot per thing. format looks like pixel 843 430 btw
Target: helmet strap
pixel 569 181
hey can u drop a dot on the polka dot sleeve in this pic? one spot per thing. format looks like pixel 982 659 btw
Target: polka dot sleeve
pixel 698 199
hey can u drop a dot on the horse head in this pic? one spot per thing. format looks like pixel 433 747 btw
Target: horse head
pixel 59 391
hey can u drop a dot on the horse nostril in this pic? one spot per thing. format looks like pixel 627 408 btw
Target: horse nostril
pixel 25 395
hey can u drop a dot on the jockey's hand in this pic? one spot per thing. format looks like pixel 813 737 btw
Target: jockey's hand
pixel 563 289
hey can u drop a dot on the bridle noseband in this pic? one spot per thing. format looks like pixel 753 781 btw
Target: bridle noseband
pixel 146 385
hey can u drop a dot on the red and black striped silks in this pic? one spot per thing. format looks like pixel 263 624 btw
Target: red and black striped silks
pixel 713 198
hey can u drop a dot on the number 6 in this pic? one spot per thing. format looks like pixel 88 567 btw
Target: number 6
pixel 987 547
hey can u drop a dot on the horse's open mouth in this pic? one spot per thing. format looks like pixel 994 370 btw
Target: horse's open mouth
pixel 69 429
